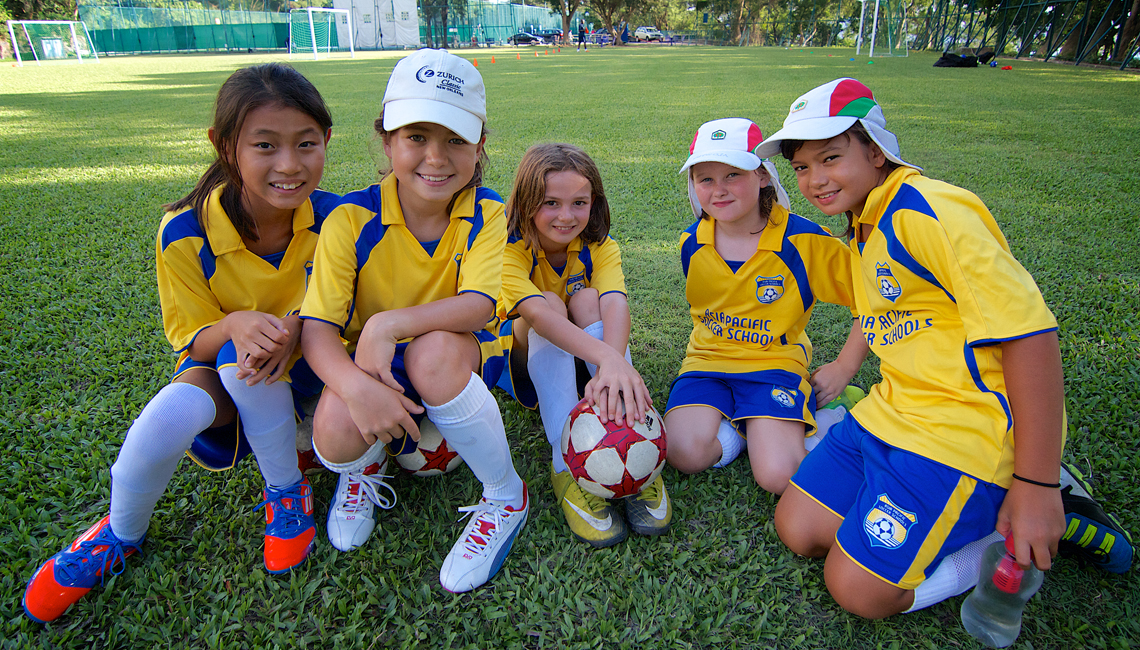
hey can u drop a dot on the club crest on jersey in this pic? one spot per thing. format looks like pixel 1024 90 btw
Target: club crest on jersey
pixel 575 283
pixel 769 290
pixel 887 524
pixel 783 397
pixel 888 286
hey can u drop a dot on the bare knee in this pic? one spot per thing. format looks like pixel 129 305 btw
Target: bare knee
pixel 803 525
pixel 862 593
pixel 335 436
pixel 692 447
pixel 439 364
pixel 585 307
pixel 773 471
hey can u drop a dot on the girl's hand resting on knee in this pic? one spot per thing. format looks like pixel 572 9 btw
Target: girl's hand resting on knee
pixel 379 412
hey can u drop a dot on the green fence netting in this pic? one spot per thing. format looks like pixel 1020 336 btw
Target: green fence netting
pixel 147 30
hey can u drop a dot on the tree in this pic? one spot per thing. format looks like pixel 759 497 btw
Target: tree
pixel 614 12
pixel 565 9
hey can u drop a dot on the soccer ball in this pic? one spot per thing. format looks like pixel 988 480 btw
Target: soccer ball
pixel 612 460
pixel 883 529
pixel 431 456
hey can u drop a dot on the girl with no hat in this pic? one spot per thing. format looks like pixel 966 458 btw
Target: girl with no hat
pixel 232 261
pixel 914 482
pixel 753 272
pixel 564 298
pixel 408 272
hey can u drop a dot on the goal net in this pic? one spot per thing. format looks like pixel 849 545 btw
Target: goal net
pixel 882 28
pixel 40 40
pixel 318 30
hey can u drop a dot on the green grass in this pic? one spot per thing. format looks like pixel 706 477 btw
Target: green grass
pixel 88 153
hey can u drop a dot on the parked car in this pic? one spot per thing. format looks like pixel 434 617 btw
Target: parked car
pixel 647 34
pixel 550 36
pixel 524 38
pixel 601 37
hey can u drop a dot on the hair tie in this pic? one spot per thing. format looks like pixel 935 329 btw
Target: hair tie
pixel 1039 483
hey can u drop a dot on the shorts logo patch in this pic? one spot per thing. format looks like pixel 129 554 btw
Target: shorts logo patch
pixel 769 289
pixel 888 285
pixel 887 524
pixel 783 397
pixel 575 283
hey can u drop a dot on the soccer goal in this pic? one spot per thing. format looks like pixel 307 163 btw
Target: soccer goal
pixel 889 35
pixel 50 39
pixel 316 30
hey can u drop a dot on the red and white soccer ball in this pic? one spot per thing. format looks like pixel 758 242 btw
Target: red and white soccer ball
pixel 612 460
pixel 431 456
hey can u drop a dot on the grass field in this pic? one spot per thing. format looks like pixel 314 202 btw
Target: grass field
pixel 88 153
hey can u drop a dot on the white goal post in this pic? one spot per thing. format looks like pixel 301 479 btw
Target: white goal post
pixel 51 39
pixel 315 28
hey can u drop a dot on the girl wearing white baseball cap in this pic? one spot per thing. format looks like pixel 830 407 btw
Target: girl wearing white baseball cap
pixel 408 272
pixel 753 272
pixel 903 496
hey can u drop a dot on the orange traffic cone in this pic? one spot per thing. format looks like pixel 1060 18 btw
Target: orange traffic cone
pixel 492 59
pixel 476 63
pixel 518 57
pixel 536 55
pixel 547 52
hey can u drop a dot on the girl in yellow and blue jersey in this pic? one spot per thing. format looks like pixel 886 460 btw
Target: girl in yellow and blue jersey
pixel 233 258
pixel 564 297
pixel 400 315
pixel 753 272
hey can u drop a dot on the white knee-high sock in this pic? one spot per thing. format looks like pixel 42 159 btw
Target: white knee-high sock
pixel 269 425
pixel 551 370
pixel 472 426
pixel 955 574
pixel 596 330
pixel 730 441
pixel 154 444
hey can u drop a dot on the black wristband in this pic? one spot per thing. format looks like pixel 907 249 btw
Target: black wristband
pixel 1038 483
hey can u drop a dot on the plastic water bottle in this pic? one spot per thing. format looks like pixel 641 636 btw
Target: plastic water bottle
pixel 992 612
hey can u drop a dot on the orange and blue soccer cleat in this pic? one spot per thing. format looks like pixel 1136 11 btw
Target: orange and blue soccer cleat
pixel 289 529
pixel 72 572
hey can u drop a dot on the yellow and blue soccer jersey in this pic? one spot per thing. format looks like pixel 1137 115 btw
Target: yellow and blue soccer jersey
pixel 527 273
pixel 206 273
pixel 368 261
pixel 753 319
pixel 937 291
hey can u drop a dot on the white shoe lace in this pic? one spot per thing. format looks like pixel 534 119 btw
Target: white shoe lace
pixel 476 539
pixel 368 489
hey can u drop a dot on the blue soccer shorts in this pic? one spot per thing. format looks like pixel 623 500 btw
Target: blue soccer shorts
pixel 902 513
pixel 775 394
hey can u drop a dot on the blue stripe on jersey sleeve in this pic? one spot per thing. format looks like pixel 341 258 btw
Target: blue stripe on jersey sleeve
pixel 323 203
pixel 514 237
pixel 791 258
pixel 798 225
pixel 368 198
pixel 484 193
pixel 899 253
pixel 972 364
pixel 182 226
pixel 186 226
pixel 370 236
pixel 689 247
pixel 587 260
pixel 476 222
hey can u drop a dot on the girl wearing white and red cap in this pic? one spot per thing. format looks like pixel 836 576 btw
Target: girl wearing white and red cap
pixel 753 273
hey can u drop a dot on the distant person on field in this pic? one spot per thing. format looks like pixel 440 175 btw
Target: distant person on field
pixel 233 258
pixel 563 298
pixel 904 495
pixel 753 273
pixel 583 44
pixel 408 273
